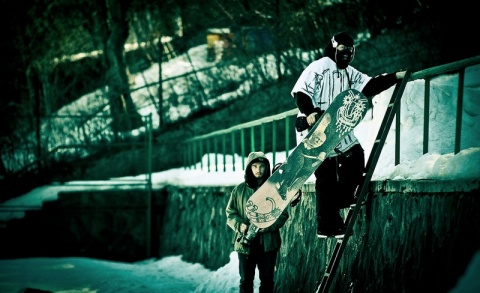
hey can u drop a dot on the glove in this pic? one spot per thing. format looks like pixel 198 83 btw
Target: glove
pixel 301 123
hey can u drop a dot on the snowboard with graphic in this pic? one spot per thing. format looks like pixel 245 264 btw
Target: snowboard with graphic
pixel 342 116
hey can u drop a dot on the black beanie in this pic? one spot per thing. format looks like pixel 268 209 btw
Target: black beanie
pixel 343 38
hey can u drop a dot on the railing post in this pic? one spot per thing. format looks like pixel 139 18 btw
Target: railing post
pixel 426 116
pixel 274 141
pixel 215 151
pixel 208 154
pixel 458 124
pixel 242 143
pixel 148 135
pixel 252 139
pixel 232 136
pixel 224 152
pixel 397 134
pixel 191 155
pixel 262 137
pixel 200 142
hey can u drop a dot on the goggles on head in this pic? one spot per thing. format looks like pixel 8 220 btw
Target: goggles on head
pixel 336 45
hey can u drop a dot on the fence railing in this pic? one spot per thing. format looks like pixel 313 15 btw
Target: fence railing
pixel 451 68
pixel 63 140
pixel 204 144
pixel 234 140
pixel 67 138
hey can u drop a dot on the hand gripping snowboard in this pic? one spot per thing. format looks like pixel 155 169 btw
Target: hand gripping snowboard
pixel 268 202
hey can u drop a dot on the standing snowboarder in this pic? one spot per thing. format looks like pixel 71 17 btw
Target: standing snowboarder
pixel 339 175
pixel 261 251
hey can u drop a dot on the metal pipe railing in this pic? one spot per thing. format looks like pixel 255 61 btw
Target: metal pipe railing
pixel 194 147
pixel 256 139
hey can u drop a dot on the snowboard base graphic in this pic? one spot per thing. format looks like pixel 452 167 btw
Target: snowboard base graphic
pixel 268 202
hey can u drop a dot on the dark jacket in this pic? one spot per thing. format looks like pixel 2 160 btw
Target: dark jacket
pixel 235 210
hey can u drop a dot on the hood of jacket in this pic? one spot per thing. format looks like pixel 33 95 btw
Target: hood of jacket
pixel 250 179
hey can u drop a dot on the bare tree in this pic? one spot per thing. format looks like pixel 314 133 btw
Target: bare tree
pixel 123 111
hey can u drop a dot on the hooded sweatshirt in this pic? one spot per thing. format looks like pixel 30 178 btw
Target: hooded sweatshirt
pixel 235 210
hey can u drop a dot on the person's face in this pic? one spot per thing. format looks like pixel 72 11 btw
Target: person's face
pixel 258 169
pixel 344 55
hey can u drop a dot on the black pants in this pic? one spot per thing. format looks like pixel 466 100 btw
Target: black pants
pixel 336 181
pixel 266 267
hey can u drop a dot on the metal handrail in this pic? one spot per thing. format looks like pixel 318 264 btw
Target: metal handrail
pixel 198 146
pixel 199 142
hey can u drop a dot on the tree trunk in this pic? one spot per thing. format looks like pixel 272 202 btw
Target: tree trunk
pixel 123 110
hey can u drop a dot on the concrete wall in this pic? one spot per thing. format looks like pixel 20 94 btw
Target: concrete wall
pixel 194 225
pixel 410 236
pixel 109 224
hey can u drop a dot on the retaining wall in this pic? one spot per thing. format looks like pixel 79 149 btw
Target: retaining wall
pixel 409 237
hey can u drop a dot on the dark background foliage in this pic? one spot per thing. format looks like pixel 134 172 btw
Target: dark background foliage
pixel 403 34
